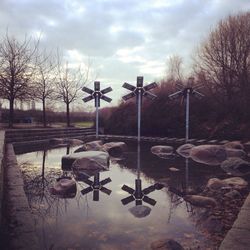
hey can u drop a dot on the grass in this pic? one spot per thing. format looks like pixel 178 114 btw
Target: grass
pixel 83 124
pixel 40 125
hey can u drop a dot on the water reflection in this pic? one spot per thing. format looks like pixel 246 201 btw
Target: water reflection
pixel 82 223
pixel 138 194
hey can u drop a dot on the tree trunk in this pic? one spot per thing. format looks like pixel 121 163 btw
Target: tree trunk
pixel 11 113
pixel 44 114
pixel 67 113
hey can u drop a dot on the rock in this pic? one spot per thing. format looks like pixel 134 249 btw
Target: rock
pixel 140 211
pixel 115 149
pixel 234 145
pixel 234 194
pixel 213 224
pixel 86 160
pixel 184 150
pixel 174 169
pixel 235 152
pixel 236 166
pixel 73 142
pixel 93 145
pixel 215 184
pixel 162 151
pixel 236 183
pixel 55 141
pixel 200 201
pixel 64 187
pixel 81 149
pixel 166 244
pixel 209 154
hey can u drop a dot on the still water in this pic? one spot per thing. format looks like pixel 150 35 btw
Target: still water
pixel 103 219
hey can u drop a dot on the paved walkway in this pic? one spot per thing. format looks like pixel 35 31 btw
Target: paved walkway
pixel 238 237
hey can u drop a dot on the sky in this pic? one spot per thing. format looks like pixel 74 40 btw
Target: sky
pixel 121 39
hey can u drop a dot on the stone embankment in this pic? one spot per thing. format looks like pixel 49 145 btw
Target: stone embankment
pixel 18 217
pixel 169 140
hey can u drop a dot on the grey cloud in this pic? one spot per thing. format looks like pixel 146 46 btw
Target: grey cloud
pixel 160 32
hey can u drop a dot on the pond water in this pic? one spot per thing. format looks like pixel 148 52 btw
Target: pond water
pixel 103 219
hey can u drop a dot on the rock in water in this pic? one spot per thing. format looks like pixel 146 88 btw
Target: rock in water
pixel 115 149
pixel 56 141
pixel 162 151
pixel 166 244
pixel 174 169
pixel 93 145
pixel 80 149
pixel 184 150
pixel 140 211
pixel 236 166
pixel 73 142
pixel 64 187
pixel 87 160
pixel 233 194
pixel 234 145
pixel 234 183
pixel 231 152
pixel 200 201
pixel 216 184
pixel 209 154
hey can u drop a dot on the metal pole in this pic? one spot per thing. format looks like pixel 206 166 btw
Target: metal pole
pixel 139 115
pixel 187 116
pixel 186 173
pixel 138 160
pixel 97 118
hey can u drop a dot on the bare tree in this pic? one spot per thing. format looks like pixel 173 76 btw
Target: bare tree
pixel 17 64
pixel 44 81
pixel 68 84
pixel 224 60
pixel 174 68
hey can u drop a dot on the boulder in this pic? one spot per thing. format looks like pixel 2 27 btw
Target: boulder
pixel 234 145
pixel 115 149
pixel 216 184
pixel 184 150
pixel 233 194
pixel 140 211
pixel 56 141
pixel 87 160
pixel 93 145
pixel 236 166
pixel 174 169
pixel 162 151
pixel 80 149
pixel 200 201
pixel 73 142
pixel 208 154
pixel 231 152
pixel 166 244
pixel 64 187
pixel 234 183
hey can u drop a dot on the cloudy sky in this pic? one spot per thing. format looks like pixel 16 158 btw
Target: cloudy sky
pixel 122 39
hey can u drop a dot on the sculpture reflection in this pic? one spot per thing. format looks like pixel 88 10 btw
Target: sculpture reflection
pixel 138 194
pixel 96 186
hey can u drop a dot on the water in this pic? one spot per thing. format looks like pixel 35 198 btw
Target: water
pixel 102 221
